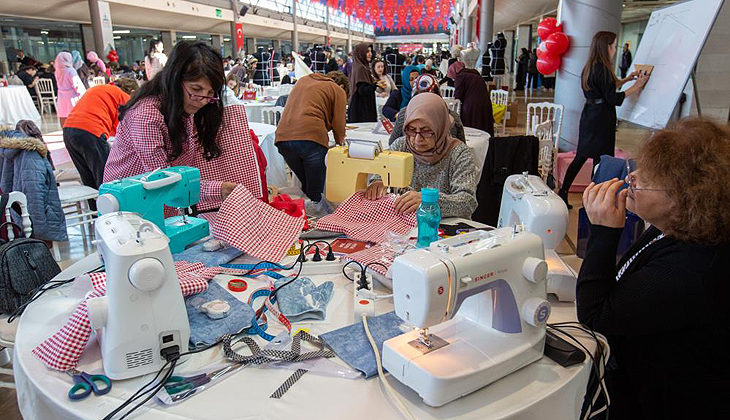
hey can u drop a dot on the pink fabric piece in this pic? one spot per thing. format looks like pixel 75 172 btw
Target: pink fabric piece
pixel 367 220
pixel 63 349
pixel 255 227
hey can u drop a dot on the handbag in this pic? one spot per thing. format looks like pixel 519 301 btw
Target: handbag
pixel 26 265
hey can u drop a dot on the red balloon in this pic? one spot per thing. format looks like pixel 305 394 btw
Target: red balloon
pixel 547 27
pixel 557 43
pixel 548 63
pixel 541 49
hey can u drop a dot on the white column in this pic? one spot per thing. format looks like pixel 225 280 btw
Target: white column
pixel 295 31
pixel 582 19
pixel 524 32
pixel 349 34
pixel 327 39
pixel 101 23
pixel 486 24
pixel 168 40
pixel 509 57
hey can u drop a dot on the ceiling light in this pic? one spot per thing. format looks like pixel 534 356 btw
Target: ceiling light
pixel 117 37
pixel 121 31
pixel 189 37
pixel 226 39
pixel 44 32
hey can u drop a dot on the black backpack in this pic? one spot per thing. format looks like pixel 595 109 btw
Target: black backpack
pixel 26 265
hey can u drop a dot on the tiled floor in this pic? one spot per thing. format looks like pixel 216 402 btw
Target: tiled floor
pixel 628 138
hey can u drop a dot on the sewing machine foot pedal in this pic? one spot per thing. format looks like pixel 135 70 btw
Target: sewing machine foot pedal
pixel 432 343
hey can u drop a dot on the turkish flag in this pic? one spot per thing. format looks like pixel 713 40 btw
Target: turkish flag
pixel 239 36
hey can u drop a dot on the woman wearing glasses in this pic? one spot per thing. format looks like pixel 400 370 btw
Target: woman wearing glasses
pixel 663 307
pixel 441 161
pixel 172 117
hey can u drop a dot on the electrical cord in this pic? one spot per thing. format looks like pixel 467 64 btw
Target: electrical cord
pixel 140 392
pixel 402 407
pixel 598 366
pixel 154 390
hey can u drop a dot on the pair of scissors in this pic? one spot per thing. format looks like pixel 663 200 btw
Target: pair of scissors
pixel 85 384
pixel 186 386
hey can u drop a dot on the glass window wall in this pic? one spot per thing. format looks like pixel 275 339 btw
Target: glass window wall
pixel 39 39
pixel 132 44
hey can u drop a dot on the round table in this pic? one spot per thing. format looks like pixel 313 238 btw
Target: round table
pixel 542 389
pixel 16 104
pixel 477 139
pixel 275 164
pixel 254 109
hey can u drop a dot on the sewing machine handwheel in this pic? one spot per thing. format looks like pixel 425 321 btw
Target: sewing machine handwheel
pixel 147 274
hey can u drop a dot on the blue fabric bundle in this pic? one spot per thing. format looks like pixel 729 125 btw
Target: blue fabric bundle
pixel 302 299
pixel 204 330
pixel 195 254
pixel 352 346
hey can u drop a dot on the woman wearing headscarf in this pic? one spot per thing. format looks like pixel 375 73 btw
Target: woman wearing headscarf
pixel 441 161
pixel 476 107
pixel 70 86
pixel 93 57
pixel 81 68
pixel 362 86
pixel 427 83
pixel 399 98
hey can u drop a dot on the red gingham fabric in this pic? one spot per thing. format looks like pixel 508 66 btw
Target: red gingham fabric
pixel 381 253
pixel 367 220
pixel 255 227
pixel 142 144
pixel 63 350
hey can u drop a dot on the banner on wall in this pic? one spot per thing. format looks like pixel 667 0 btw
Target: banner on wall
pixel 239 36
pixel 409 48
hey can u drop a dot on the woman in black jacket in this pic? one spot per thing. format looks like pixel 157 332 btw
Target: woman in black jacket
pixel 597 129
pixel 663 308
pixel 523 62
pixel 362 86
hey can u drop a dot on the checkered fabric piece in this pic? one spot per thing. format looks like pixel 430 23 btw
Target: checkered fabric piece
pixel 255 227
pixel 63 350
pixel 380 253
pixel 142 144
pixel 367 220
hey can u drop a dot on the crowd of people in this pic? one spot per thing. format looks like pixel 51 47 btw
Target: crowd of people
pixel 680 187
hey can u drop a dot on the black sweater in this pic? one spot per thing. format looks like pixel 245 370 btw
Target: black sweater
pixel 665 320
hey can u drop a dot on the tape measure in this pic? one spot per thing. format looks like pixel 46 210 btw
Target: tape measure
pixel 269 305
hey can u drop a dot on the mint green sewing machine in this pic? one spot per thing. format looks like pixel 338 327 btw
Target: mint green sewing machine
pixel 149 193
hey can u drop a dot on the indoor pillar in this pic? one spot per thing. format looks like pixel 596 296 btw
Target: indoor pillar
pixel 168 41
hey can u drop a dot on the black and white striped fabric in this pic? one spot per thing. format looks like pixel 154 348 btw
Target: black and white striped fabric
pixel 260 357
pixel 633 257
pixel 288 383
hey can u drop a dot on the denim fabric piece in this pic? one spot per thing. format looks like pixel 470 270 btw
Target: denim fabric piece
pixel 302 299
pixel 209 259
pixel 610 167
pixel 204 330
pixel 352 345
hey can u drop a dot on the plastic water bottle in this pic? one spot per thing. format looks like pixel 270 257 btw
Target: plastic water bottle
pixel 428 217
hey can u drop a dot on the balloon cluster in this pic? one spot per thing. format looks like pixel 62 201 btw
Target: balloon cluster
pixel 555 43
pixel 112 57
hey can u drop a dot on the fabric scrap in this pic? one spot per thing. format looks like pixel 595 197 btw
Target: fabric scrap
pixel 204 330
pixel 368 220
pixel 303 300
pixel 63 349
pixel 352 346
pixel 208 258
pixel 255 227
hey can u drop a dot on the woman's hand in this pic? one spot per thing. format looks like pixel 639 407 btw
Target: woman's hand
pixel 603 206
pixel 226 189
pixel 375 190
pixel 408 202
pixel 381 84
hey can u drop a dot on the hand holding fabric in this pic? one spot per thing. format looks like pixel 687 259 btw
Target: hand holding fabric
pixel 603 206
pixel 408 202
pixel 375 190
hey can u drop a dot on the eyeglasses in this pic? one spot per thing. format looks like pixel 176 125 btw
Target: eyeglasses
pixel 631 178
pixel 200 98
pixel 426 134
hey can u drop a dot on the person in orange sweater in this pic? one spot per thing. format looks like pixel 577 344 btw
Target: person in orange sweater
pixel 90 124
pixel 316 105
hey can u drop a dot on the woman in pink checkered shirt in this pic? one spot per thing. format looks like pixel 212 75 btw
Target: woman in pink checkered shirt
pixel 173 118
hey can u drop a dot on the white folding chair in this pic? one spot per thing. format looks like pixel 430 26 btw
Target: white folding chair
pixel 272 115
pixel 547 150
pixel 540 112
pixel 45 93
pixel 448 92
pixel 453 104
pixel 501 97
pixel 285 89
pixel 75 205
pixel 99 80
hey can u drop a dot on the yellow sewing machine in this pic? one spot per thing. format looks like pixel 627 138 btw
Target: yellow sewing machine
pixel 348 168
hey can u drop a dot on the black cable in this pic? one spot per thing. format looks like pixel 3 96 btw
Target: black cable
pixel 376 263
pixel 136 394
pixel 345 266
pixel 155 390
pixel 36 294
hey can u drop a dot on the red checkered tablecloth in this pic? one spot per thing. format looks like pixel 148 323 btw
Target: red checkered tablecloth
pixel 368 220
pixel 63 349
pixel 255 227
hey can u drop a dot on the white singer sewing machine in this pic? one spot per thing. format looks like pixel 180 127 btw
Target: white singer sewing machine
pixel 348 168
pixel 478 301
pixel 527 200
pixel 143 312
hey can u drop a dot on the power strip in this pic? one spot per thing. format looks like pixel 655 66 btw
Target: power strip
pixel 363 300
pixel 314 268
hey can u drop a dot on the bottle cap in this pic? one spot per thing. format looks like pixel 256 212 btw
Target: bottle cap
pixel 429 195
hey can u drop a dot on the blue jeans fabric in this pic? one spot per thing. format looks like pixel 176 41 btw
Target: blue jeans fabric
pixel 306 159
pixel 195 254
pixel 204 330
pixel 302 299
pixel 352 346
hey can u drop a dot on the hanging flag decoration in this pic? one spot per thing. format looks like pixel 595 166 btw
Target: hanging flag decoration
pixel 398 17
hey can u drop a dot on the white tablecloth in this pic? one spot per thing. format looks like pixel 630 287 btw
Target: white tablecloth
pixel 254 109
pixel 275 170
pixel 16 104
pixel 542 390
pixel 477 139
